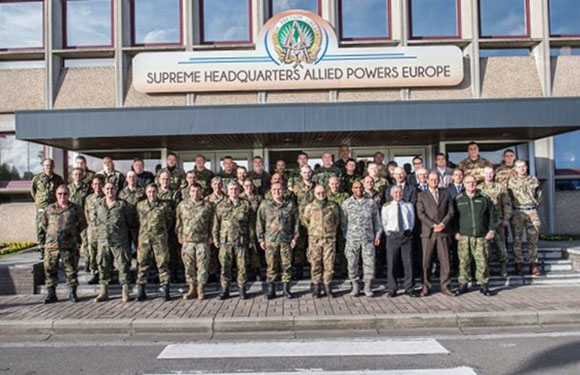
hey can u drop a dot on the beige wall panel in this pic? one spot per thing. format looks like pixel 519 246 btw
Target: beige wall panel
pixel 565 77
pixel 137 99
pixel 461 91
pixel 298 97
pixel 21 89
pixel 509 77
pixel 568 212
pixel 92 87
pixel 369 95
pixel 226 98
pixel 21 225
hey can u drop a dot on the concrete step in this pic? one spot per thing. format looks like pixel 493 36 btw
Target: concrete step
pixel 546 265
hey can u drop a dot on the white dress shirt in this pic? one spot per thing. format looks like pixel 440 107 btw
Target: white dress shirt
pixel 389 217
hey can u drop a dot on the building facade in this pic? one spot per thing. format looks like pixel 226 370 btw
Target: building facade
pixel 66 87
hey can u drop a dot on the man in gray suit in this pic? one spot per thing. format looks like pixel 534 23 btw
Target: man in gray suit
pixel 445 173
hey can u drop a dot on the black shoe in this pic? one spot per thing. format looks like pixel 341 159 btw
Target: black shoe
pixel 225 294
pixel 94 280
pixel 391 294
pixel 166 292
pixel 286 290
pixel 72 296
pixel 87 267
pixel 328 290
pixel 50 296
pixel 411 294
pixel 271 293
pixel 486 291
pixel 298 273
pixel 316 291
pixel 141 296
pixel 259 276
pixel 463 288
pixel 242 291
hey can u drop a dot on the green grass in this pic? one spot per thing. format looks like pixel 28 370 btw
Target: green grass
pixel 560 237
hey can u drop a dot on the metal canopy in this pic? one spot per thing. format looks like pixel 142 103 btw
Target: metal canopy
pixel 300 125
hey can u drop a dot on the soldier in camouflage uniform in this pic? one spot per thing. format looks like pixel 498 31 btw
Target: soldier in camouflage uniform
pixel 498 195
pixel 176 174
pixel 361 224
pixel 338 197
pixel 259 176
pixel 133 194
pixel 42 189
pixel 253 260
pixel 380 183
pixel 90 211
pixel 369 190
pixel 507 168
pixel 115 219
pixel 321 219
pixel 189 181
pixel 327 170
pixel 277 233
pixel 193 227
pixel 283 172
pixel 477 221
pixel 215 198
pixel 233 232
pixel 343 157
pixel 526 195
pixel 473 165
pixel 379 160
pixel 86 174
pixel 172 197
pixel 304 192
pixel 63 222
pixel 277 179
pixel 350 176
pixel 155 220
pixel 203 176
pixel 228 172
pixel 109 174
pixel 79 191
pixel 295 174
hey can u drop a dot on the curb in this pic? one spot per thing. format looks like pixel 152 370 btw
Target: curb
pixel 288 324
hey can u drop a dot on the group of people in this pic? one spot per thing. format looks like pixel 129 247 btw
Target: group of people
pixel 333 218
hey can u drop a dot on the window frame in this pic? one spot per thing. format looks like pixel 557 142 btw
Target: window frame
pixel 550 27
pixel 458 28
pixel 4 183
pixel 65 28
pixel 389 26
pixel 202 40
pixel 133 30
pixel 271 7
pixel 43 25
pixel 526 20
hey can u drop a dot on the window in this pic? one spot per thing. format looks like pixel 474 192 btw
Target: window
pixel 23 64
pixel 566 153
pixel 565 51
pixel 88 23
pixel 19 160
pixel 368 19
pixel 434 19
pixel 21 24
pixel 277 6
pixel 504 52
pixel 503 18
pixel 564 16
pixel 123 160
pixel 156 22
pixel 85 63
pixel 226 21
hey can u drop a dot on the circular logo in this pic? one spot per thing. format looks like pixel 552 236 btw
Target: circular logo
pixel 297 40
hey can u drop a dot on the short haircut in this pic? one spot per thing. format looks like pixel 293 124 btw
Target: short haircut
pixel 171 154
pixel 509 150
pixel 77 169
pixel 165 172
pixel 227 157
pixel 458 170
pixel 80 157
pixel 200 156
pixel 379 153
pixel 48 159
pixel 138 158
pixel 151 185
pixel 521 161
pixel 350 160
pixel 472 143
pixel 216 179
pixel 97 178
pixel 257 157
pixel 302 153
pixel 242 167
pixel 195 185
pixel 441 154
pixel 418 158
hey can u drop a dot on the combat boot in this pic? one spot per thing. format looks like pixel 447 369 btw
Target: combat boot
pixel 141 296
pixel 191 293
pixel 271 292
pixel 328 290
pixel 299 273
pixel 503 271
pixel 286 290
pixel 242 291
pixel 534 270
pixel 166 292
pixel 72 296
pixel 369 290
pixel 225 294
pixel 103 294
pixel 125 293
pixel 316 291
pixel 94 280
pixel 355 288
pixel 518 269
pixel 200 292
pixel 50 295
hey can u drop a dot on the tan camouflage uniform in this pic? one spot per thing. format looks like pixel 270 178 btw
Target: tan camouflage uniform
pixel 498 195
pixel 42 190
pixel 304 195
pixel 526 195
pixel 92 247
pixel 474 168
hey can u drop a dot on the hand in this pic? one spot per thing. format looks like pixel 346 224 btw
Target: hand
pixel 293 243
pixel 217 245
pixel 377 241
pixel 490 235
pixel 263 245
pixel 457 237
pixel 437 228
pixel 506 223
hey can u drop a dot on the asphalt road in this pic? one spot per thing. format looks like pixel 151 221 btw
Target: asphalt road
pixel 505 351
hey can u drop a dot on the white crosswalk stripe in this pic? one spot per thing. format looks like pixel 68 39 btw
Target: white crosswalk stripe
pixel 444 371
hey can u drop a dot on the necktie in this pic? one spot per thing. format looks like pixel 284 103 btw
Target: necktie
pixel 400 223
pixel 436 195
pixel 424 187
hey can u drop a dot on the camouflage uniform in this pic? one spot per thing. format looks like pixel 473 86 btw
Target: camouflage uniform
pixel 145 178
pixel 304 195
pixel 113 227
pixel 503 173
pixel 172 197
pixel 92 247
pixel 233 229
pixel 526 195
pixel 133 196
pixel 323 174
pixel 261 181
pixel 348 180
pixel 361 224
pixel 78 194
pixel 339 198
pixel 341 164
pixel 204 179
pixel 115 177
pixel 277 226
pixel 321 219
pixel 63 229
pixel 193 228
pixel 498 195
pixel 253 259
pixel 213 251
pixel 380 186
pixel 155 220
pixel 88 176
pixel 375 196
pixel 474 168
pixel 176 177
pixel 43 191
pixel 227 178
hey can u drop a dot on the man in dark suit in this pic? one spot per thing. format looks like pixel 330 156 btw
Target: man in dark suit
pixel 409 191
pixel 413 178
pixel 435 211
pixel 456 187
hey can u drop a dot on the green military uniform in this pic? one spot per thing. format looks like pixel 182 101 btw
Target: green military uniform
pixel 92 247
pixel 341 164
pixel 213 251
pixel 115 177
pixel 253 261
pixel 504 172
pixel 474 168
pixel 526 196
pixel 476 217
pixel 78 194
pixel 380 186
pixel 204 179
pixel 498 195
pixel 133 196
pixel 348 180
pixel 113 227
pixel 43 191
pixel 227 178
pixel 233 229
pixel 88 176
pixel 193 227
pixel 339 198
pixel 304 195
pixel 375 196
pixel 176 177
pixel 321 219
pixel 63 227
pixel 261 181
pixel 172 197
pixel 155 220
pixel 277 226
pixel 323 174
